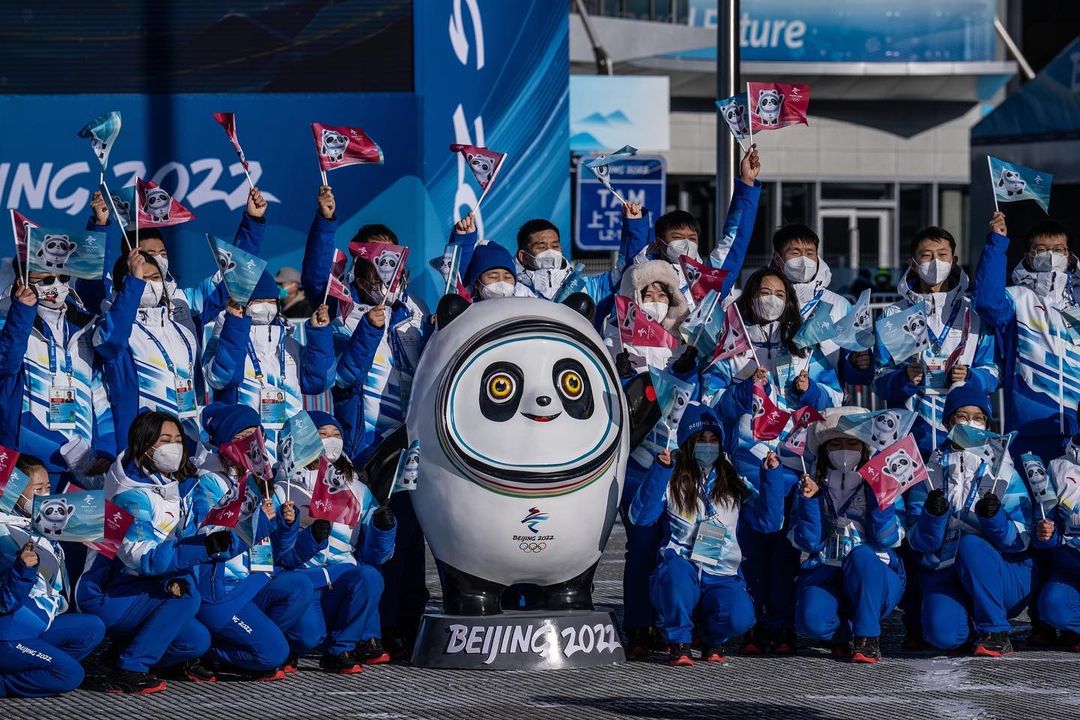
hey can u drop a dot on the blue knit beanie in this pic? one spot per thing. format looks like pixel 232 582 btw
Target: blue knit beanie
pixel 488 256
pixel 698 418
pixel 321 418
pixel 222 422
pixel 964 395
pixel 265 288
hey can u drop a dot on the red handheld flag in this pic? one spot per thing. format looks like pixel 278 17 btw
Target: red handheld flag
pixel 249 454
pixel 20 227
pixel 8 458
pixel 701 278
pixel 229 508
pixel 117 522
pixel 806 415
pixel 338 147
pixel 227 120
pixel 636 328
pixel 776 105
pixel 336 289
pixel 734 340
pixel 768 420
pixel 333 498
pixel 485 164
pixel 893 471
pixel 157 208
pixel 337 265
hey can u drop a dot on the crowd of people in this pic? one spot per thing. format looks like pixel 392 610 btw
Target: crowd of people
pixel 734 541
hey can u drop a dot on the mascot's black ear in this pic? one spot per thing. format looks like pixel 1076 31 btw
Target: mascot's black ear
pixel 381 467
pixel 450 306
pixel 582 304
pixel 644 409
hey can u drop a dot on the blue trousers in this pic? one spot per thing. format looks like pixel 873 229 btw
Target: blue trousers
pixel 770 566
pixel 344 614
pixel 406 593
pixel 49 664
pixel 837 602
pixel 1059 600
pixel 253 636
pixel 638 564
pixel 680 594
pixel 157 629
pixel 982 588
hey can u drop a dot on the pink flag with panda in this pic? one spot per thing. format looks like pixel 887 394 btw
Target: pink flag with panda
pixel 734 340
pixel 485 165
pixel 768 420
pixel 332 497
pixel 701 278
pixel 227 120
pixel 636 328
pixel 389 261
pixel 895 470
pixel 229 508
pixel 339 147
pixel 776 105
pixel 155 207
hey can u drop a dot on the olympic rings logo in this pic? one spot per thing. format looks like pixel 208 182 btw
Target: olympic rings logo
pixel 532 547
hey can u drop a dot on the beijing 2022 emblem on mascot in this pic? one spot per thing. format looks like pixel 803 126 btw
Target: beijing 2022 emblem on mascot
pixel 524 431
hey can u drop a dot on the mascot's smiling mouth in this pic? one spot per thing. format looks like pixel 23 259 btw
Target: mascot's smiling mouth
pixel 541 418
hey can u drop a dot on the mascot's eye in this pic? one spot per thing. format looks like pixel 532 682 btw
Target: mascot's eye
pixel 500 387
pixel 570 384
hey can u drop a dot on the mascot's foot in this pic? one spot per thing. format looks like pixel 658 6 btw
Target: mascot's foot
pixel 574 594
pixel 465 594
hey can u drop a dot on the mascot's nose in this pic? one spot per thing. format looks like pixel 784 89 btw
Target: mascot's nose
pixel 543 400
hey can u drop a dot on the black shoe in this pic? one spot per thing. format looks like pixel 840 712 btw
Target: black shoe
pixel 637 643
pixel 784 642
pixel 1069 640
pixel 292 665
pixel 342 664
pixel 713 654
pixel 865 650
pixel 130 682
pixel 191 671
pixel 1041 636
pixel 679 656
pixel 371 652
pixel 993 644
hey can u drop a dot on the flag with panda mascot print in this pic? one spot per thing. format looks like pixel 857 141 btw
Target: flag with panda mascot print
pixel 338 147
pixel 895 470
pixel 333 497
pixel 775 105
pixel 60 251
pixel 484 163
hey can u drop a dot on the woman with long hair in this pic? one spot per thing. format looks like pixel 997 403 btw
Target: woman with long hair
pixel 701 499
pixel 758 391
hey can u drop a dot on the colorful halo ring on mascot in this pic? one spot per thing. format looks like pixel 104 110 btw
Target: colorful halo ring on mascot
pixel 542 384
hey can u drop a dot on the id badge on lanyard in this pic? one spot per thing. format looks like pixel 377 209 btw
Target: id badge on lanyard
pixel 711 542
pixel 62 405
pixel 185 396
pixel 935 374
pixel 272 407
pixel 261 557
pixel 842 541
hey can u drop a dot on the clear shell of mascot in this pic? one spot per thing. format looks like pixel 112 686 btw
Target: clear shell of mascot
pixel 524 433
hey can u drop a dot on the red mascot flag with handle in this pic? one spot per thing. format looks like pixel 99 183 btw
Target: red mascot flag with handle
pixel 768 420
pixel 702 278
pixel 333 498
pixel 776 105
pixel 637 328
pixel 157 208
pixel 895 470
pixel 338 147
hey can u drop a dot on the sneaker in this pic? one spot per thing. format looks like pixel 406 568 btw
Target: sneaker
pixel 914 642
pixel 292 665
pixel 397 646
pixel 679 655
pixel 784 642
pixel 1069 640
pixel 270 675
pixel 865 650
pixel 342 664
pixel 713 654
pixel 191 671
pixel 840 651
pixel 131 682
pixel 1041 636
pixel 993 644
pixel 371 652
pixel 751 644
pixel 637 643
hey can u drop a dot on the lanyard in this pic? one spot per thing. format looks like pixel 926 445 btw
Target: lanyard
pixel 811 304
pixel 258 366
pixel 52 348
pixel 161 348
pixel 936 341
pixel 704 490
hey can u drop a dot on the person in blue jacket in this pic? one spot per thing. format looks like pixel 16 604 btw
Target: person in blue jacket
pixel 344 616
pixel 249 605
pixel 1058 532
pixel 41 643
pixel 147 595
pixel 490 274
pixel 961 347
pixel 702 500
pixel 1034 336
pixel 852 576
pixel 206 298
pixel 972 526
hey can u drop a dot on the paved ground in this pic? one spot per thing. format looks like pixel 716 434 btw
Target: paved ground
pixel 1029 684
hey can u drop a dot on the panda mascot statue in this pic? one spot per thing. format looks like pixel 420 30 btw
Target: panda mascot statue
pixel 524 429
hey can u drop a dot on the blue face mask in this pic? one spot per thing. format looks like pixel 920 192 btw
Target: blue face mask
pixel 706 454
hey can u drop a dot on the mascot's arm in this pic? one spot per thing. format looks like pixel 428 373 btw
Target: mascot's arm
pixel 113 334
pixel 14 337
pixel 15 585
pixel 644 409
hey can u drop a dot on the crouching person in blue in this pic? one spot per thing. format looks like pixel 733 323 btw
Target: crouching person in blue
pixel 851 575
pixel 41 643
pixel 702 499
pixel 146 596
pixel 344 616
pixel 973 530
pixel 1059 530
pixel 250 608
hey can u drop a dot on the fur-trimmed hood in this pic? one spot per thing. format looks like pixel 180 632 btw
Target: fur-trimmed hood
pixel 640 275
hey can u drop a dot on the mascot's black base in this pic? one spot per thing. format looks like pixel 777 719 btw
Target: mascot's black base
pixel 465 594
pixel 519 640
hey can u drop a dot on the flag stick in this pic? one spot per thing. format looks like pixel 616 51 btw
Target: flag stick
pixel 322 174
pixel 251 185
pixel 802 461
pixel 15 239
pixel 101 177
pixel 135 198
pixel 329 277
pixel 990 165
pixel 994 486
pixel 618 197
pixel 749 115
pixel 116 215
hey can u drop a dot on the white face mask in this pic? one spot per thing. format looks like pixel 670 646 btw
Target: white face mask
pixel 844 459
pixel 151 294
pixel 500 289
pixel 978 425
pixel 933 272
pixel 656 311
pixel 332 447
pixel 800 269
pixel 262 313
pixel 1047 261
pixel 167 458
pixel 768 307
pixel 676 248
pixel 53 295
pixel 547 260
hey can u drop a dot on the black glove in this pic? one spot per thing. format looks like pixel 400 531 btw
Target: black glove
pixel 383 518
pixel 686 361
pixel 320 530
pixel 623 366
pixel 936 504
pixel 177 587
pixel 988 506
pixel 217 542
